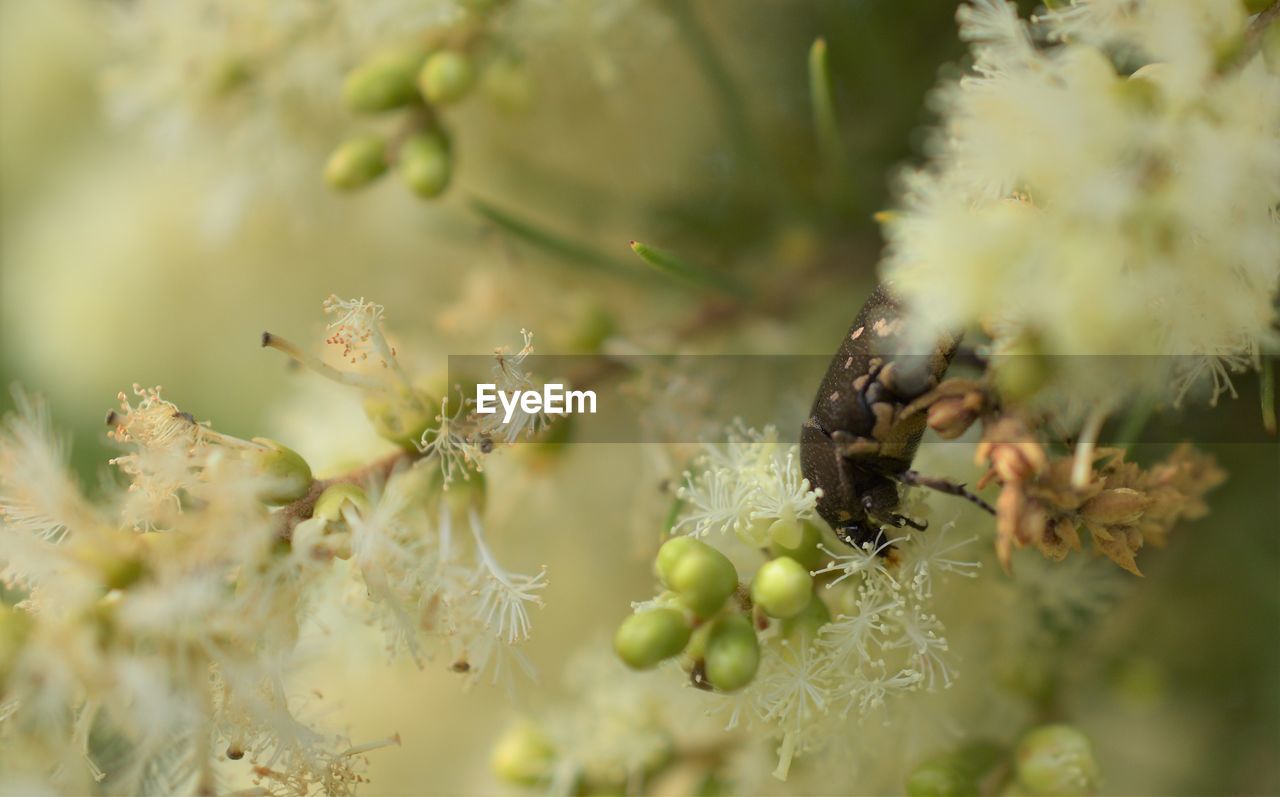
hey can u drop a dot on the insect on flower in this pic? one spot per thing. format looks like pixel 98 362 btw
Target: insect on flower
pixel 863 429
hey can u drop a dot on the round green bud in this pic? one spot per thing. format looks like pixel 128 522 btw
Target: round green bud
pixel 954 774
pixel 506 84
pixel 425 164
pixel 335 497
pixel 733 653
pixel 1022 370
pixel 805 626
pixel 446 77
pixel 384 82
pixel 806 552
pixel 356 163
pixel 704 579
pixel 650 636
pixel 523 755
pixel 939 778
pixel 670 553
pixel 786 531
pixel 1056 760
pixel 782 587
pixel 401 416
pixel 288 474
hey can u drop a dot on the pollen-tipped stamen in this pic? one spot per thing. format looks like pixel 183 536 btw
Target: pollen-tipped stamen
pixel 313 363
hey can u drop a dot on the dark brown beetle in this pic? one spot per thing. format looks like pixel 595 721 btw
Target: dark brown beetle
pixel 857 444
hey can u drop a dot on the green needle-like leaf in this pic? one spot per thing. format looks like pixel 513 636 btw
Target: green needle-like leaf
pixel 692 273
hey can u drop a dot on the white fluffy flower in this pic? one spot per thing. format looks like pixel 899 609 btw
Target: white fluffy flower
pixel 1103 183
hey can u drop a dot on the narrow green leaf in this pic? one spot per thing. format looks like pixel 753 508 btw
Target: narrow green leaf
pixel 825 123
pixel 692 273
pixel 561 246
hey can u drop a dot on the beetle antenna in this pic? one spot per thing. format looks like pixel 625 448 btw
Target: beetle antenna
pixel 917 479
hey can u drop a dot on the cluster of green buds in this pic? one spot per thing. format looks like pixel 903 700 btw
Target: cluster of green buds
pixel 527 756
pixel 713 623
pixel 1048 760
pixel 417 81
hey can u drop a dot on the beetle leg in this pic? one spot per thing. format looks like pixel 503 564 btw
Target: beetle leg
pixel 851 446
pixel 917 479
pixel 890 518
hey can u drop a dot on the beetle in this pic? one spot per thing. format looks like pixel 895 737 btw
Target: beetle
pixel 858 442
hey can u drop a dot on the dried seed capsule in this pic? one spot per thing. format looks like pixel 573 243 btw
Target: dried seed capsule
pixel 288 473
pixel 523 755
pixel 425 164
pixel 733 653
pixel 446 77
pixel 1057 760
pixel 384 82
pixel 356 163
pixel 782 587
pixel 648 637
pixel 704 579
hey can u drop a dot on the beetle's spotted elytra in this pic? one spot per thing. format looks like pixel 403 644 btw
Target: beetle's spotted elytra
pixel 857 444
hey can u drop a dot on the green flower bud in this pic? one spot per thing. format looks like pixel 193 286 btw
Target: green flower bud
pixel 704 578
pixel 445 77
pixel 782 587
pixel 425 164
pixel 646 638
pixel 1056 760
pixel 671 552
pixel 335 496
pixel 402 416
pixel 786 531
pixel 955 774
pixel 805 626
pixel 383 82
pixel 939 778
pixel 806 552
pixel 523 755
pixel 733 653
pixel 289 474
pixel 356 163
pixel 506 84
pixel 1023 369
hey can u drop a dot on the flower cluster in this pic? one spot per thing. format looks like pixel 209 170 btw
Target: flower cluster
pixel 624 735
pixel 815 638
pixel 155 635
pixel 1104 183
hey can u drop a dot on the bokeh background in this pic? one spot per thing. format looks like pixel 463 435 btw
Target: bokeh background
pixel 151 230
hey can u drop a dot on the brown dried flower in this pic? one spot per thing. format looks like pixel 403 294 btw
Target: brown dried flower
pixel 1122 506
